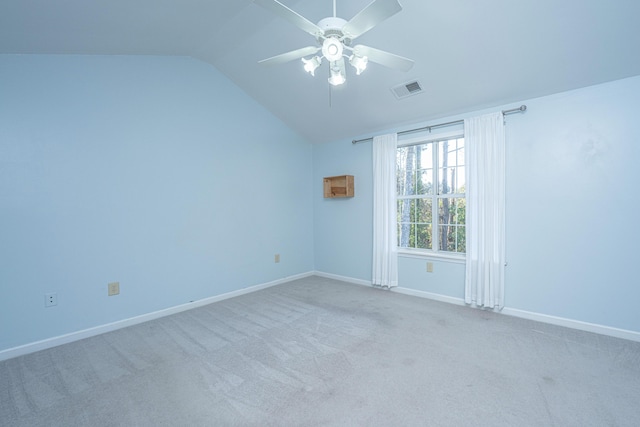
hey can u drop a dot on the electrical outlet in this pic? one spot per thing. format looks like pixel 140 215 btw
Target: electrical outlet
pixel 429 267
pixel 50 300
pixel 114 288
pixel 276 258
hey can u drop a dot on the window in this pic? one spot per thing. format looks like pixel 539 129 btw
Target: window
pixel 431 196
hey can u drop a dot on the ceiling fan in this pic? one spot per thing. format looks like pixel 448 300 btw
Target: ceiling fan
pixel 335 35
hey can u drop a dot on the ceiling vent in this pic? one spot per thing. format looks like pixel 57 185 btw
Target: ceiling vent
pixel 407 89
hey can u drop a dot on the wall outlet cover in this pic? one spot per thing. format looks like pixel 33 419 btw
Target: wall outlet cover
pixel 114 288
pixel 50 299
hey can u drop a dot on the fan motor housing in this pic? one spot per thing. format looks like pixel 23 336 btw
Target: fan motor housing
pixel 332 27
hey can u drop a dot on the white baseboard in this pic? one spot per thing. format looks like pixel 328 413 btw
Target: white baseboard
pixel 429 295
pixel 342 278
pixel 87 333
pixel 574 324
pixel 538 317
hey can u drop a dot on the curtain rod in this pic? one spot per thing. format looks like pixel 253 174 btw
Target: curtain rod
pixel 520 109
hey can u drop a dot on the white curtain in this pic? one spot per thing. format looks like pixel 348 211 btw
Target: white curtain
pixel 485 160
pixel 385 243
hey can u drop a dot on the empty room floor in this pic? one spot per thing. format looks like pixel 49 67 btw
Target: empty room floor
pixel 322 352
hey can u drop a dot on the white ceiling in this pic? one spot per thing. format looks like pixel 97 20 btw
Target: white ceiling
pixel 469 54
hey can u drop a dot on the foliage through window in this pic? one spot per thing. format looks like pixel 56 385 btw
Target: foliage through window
pixel 431 196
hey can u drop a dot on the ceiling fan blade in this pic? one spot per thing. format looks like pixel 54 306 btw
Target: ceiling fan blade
pixel 289 56
pixel 291 16
pixel 384 58
pixel 376 12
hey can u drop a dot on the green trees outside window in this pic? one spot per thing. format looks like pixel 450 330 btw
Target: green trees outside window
pixel 431 196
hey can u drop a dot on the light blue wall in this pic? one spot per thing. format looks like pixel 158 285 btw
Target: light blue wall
pixel 572 232
pixel 572 188
pixel 159 173
pixel 343 226
pixel 156 172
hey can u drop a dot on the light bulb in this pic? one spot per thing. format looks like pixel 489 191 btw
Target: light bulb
pixel 359 63
pixel 332 49
pixel 310 65
pixel 337 75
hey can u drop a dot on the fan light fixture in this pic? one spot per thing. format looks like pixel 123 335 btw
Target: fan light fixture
pixel 310 65
pixel 334 36
pixel 332 49
pixel 359 63
pixel 337 74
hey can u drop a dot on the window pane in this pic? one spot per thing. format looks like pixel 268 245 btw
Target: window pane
pixel 445 232
pixel 421 190
pixel 405 233
pixel 424 211
pixel 424 167
pixel 415 223
pixel 451 168
pixel 407 210
pixel 452 238
pixel 425 158
pixel 406 170
pixel 451 233
pixel 407 184
pixel 451 210
pixel 401 168
pixel 423 236
pixel 447 182
pixel 406 220
pixel 425 182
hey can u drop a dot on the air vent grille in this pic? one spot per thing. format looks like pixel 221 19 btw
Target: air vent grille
pixel 407 89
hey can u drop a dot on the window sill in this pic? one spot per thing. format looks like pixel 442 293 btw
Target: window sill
pixel 436 256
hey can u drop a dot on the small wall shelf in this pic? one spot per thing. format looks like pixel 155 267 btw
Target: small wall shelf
pixel 338 186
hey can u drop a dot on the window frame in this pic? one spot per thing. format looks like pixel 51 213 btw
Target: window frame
pixel 433 253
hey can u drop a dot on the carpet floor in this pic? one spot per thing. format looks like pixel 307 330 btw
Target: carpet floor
pixel 320 352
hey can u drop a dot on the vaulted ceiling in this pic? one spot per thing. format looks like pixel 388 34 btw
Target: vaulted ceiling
pixel 468 54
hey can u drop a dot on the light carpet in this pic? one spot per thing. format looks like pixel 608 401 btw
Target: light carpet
pixel 320 352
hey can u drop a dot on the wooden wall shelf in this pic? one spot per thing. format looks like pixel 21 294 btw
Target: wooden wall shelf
pixel 338 186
